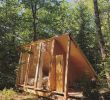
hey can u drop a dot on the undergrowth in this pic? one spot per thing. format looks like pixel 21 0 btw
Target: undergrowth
pixel 7 94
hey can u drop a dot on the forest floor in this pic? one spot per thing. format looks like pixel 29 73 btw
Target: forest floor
pixel 18 97
pixel 10 94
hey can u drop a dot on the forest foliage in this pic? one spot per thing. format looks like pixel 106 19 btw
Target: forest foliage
pixel 22 21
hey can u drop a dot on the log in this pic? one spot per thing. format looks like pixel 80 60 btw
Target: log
pixel 66 70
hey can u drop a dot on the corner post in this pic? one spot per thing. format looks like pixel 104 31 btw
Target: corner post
pixel 27 68
pixel 66 69
pixel 18 79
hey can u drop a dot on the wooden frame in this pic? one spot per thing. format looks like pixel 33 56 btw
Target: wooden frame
pixel 57 46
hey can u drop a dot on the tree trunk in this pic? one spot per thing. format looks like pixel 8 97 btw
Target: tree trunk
pixel 34 10
pixel 81 30
pixel 108 20
pixel 98 29
pixel 34 28
pixel 100 38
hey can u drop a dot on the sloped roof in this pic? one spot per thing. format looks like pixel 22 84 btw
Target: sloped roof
pixel 77 57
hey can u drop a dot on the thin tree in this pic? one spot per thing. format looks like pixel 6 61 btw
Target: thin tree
pixel 99 31
pixel 100 37
pixel 34 6
pixel 34 10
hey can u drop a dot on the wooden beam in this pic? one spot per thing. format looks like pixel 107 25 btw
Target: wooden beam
pixel 40 72
pixel 66 70
pixel 27 69
pixel 23 62
pixel 51 80
pixel 19 71
pixel 37 67
pixel 71 95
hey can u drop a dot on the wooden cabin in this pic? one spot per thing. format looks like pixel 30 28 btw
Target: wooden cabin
pixel 53 66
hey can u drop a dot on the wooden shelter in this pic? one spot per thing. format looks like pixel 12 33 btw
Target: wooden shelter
pixel 53 66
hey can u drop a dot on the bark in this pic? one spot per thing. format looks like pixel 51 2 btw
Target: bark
pixel 98 29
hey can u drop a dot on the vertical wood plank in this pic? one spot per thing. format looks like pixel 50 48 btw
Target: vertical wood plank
pixel 59 73
pixel 66 70
pixel 27 69
pixel 51 69
pixel 37 67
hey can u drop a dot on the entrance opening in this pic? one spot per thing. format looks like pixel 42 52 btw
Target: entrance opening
pixel 24 58
pixel 31 70
pixel 43 73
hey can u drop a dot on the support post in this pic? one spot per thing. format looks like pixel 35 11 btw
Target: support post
pixel 51 79
pixel 27 69
pixel 37 67
pixel 40 72
pixel 19 71
pixel 66 70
